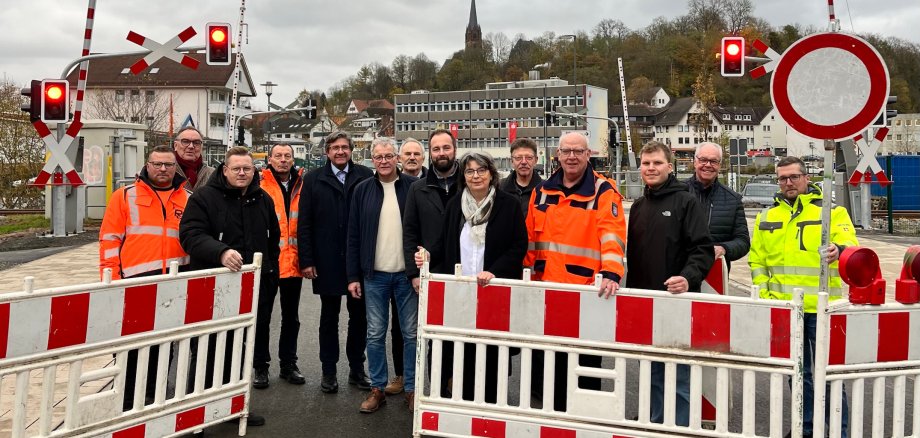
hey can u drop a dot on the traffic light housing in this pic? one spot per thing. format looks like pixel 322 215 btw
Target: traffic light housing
pixel 887 113
pixel 310 113
pixel 55 101
pixel 550 118
pixel 218 44
pixel 240 135
pixel 34 107
pixel 732 56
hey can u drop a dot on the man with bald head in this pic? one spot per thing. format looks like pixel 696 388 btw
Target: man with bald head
pixel 722 205
pixel 577 229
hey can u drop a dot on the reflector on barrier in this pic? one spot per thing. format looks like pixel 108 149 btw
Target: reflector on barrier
pixel 859 268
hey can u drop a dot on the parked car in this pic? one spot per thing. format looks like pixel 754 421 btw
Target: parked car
pixel 758 194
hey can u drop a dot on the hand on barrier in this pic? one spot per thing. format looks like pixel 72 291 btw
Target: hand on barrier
pixel 421 256
pixel 677 284
pixel 309 272
pixel 608 288
pixel 484 277
pixel 719 250
pixel 416 284
pixel 231 260
pixel 354 288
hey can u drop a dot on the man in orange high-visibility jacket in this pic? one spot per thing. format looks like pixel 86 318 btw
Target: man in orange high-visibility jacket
pixel 140 230
pixel 577 229
pixel 140 237
pixel 282 181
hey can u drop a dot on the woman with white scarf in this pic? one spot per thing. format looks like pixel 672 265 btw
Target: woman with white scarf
pixel 486 233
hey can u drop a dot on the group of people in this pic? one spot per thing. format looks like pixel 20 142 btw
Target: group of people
pixel 364 234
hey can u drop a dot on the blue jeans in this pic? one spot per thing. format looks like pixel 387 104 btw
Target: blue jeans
pixel 808 387
pixel 378 288
pixel 682 410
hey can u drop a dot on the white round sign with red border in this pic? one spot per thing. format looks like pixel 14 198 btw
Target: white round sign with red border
pixel 828 86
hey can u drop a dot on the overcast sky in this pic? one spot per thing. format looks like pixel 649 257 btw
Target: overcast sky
pixel 314 44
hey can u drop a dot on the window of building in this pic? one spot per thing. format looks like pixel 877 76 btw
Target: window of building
pixel 150 96
pixel 747 117
pixel 135 94
pixel 134 119
pixel 119 95
pixel 766 128
pixel 737 116
pixel 898 137
pixel 726 117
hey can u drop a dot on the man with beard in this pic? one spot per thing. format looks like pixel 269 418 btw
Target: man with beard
pixel 281 181
pixel 411 157
pixel 424 216
pixel 321 238
pixel 522 180
pixel 187 147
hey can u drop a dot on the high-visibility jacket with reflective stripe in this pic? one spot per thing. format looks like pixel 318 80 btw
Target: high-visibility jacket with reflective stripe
pixel 139 233
pixel 573 238
pixel 288 265
pixel 784 248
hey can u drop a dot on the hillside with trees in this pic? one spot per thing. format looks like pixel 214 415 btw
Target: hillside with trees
pixel 677 54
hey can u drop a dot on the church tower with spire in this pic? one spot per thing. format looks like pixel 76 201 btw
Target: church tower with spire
pixel 473 32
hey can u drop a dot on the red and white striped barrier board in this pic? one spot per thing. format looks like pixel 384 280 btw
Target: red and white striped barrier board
pixel 716 281
pixel 58 150
pixel 452 424
pixel 872 337
pixel 166 50
pixel 749 329
pixel 187 420
pixel 36 325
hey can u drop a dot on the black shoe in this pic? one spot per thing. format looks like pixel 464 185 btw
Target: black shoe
pixel 330 384
pixel 359 379
pixel 252 420
pixel 292 374
pixel 260 379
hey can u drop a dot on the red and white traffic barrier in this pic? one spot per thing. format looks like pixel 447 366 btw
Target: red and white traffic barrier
pixel 455 424
pixel 43 323
pixel 874 337
pixel 756 329
pixel 187 420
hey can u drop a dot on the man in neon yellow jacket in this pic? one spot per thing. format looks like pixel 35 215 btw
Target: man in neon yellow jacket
pixel 786 254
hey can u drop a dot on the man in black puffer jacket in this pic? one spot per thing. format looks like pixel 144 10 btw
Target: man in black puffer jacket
pixel 224 224
pixel 727 225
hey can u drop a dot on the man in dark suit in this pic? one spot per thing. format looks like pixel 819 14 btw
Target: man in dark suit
pixel 321 233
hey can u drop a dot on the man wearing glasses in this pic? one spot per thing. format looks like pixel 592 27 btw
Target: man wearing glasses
pixel 129 246
pixel 187 147
pixel 226 222
pixel 522 179
pixel 376 268
pixel 577 229
pixel 786 254
pixel 722 205
pixel 321 238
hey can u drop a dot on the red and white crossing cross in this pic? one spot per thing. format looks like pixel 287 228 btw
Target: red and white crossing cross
pixel 58 150
pixel 167 50
pixel 869 160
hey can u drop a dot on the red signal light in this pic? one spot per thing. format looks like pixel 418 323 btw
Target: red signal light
pixel 54 92
pixel 218 35
pixel 732 56
pixel 55 101
pixel 218 44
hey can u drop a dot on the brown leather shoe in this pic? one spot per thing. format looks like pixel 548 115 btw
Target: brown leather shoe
pixel 374 401
pixel 395 386
pixel 410 400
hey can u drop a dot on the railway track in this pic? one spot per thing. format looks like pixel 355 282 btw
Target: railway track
pixel 5 212
pixel 897 214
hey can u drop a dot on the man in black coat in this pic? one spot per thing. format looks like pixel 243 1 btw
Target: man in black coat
pixel 224 224
pixel 727 224
pixel 423 220
pixel 321 239
pixel 523 179
pixel 668 248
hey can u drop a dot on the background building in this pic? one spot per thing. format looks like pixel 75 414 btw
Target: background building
pixel 482 117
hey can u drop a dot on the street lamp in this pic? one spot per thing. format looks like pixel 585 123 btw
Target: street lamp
pixel 574 57
pixel 269 86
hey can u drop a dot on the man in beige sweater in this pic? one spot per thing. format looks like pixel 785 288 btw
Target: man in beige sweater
pixel 376 270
